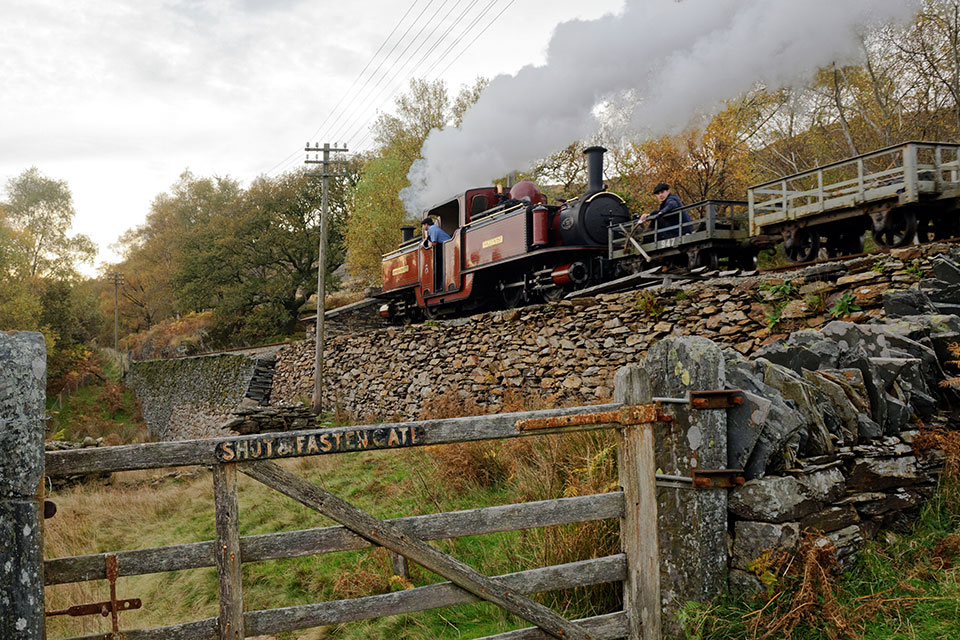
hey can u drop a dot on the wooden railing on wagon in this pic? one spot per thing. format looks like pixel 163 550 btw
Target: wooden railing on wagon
pixel 710 221
pixel 905 171
pixel 637 567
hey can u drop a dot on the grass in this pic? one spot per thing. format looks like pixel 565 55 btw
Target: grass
pixel 105 409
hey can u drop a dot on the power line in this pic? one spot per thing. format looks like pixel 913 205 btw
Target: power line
pixel 478 18
pixel 401 63
pixel 353 84
pixel 387 57
pixel 396 87
pixel 359 93
pixel 495 18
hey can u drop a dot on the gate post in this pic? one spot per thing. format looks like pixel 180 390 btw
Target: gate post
pixel 23 380
pixel 638 526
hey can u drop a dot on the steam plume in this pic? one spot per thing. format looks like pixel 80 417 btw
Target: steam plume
pixel 669 61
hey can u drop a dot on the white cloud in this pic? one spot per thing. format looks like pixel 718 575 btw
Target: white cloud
pixel 119 97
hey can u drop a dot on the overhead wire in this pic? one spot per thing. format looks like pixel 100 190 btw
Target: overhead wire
pixel 366 119
pixel 357 78
pixel 354 132
pixel 360 95
pixel 400 65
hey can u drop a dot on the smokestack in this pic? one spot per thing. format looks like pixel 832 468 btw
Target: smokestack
pixel 406 234
pixel 594 169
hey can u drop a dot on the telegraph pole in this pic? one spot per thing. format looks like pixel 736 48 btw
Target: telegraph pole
pixel 117 279
pixel 325 174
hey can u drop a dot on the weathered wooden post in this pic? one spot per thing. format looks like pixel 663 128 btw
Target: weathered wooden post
pixel 638 526
pixel 23 380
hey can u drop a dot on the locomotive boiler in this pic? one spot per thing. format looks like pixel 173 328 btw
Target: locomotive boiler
pixel 505 249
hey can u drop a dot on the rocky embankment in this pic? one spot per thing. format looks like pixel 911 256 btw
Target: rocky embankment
pixel 571 350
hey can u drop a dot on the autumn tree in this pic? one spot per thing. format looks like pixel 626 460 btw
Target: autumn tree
pixel 41 208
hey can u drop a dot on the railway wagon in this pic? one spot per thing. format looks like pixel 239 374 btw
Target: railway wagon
pixel 898 193
pixel 717 236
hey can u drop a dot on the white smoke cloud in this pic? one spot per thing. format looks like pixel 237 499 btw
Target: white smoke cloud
pixel 677 61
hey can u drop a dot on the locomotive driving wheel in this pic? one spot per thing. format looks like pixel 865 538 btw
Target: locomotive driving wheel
pixel 512 294
pixel 898 231
pixel 805 245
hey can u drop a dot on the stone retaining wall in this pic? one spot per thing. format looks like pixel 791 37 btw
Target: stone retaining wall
pixel 190 397
pixel 572 349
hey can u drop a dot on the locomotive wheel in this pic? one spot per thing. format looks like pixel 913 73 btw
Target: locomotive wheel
pixel 930 229
pixel 806 246
pixel 901 228
pixel 512 297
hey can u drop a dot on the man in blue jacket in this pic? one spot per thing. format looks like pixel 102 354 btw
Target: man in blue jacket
pixel 433 234
pixel 664 220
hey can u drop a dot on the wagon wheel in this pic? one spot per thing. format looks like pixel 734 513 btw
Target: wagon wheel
pixel 706 258
pixel 846 244
pixel 806 246
pixel 900 230
pixel 745 260
pixel 930 229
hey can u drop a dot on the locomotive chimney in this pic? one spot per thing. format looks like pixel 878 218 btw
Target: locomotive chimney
pixel 406 234
pixel 594 169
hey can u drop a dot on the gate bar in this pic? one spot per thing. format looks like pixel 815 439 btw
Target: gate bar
pixel 398 540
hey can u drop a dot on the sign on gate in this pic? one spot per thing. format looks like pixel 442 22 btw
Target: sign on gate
pixel 290 445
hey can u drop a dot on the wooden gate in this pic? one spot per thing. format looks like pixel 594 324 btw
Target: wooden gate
pixel 633 415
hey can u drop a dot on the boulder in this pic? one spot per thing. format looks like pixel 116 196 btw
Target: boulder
pixel 751 540
pixel 907 302
pixel 772 499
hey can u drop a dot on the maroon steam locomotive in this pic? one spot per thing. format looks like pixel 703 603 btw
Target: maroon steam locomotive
pixel 504 249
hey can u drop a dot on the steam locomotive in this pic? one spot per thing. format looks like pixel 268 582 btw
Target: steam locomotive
pixel 507 249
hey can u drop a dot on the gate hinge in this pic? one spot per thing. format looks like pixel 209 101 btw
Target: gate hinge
pixel 717 478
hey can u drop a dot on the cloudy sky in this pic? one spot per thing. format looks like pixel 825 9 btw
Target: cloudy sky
pixel 119 97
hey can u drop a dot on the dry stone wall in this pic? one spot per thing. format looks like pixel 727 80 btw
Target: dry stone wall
pixel 190 397
pixel 572 349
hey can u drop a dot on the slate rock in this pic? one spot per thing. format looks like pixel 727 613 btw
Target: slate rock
pixel 906 302
pixel 823 423
pixel 877 474
pixel 825 485
pixel 752 539
pixel 772 499
pixel 764 433
pixel 846 543
pixel 831 519
pixel 744 583
pixel 843 405
pixel 946 270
